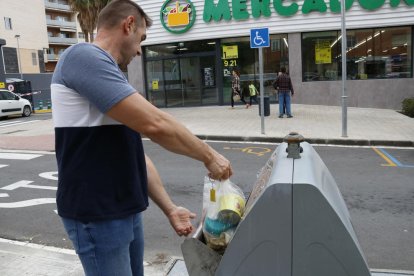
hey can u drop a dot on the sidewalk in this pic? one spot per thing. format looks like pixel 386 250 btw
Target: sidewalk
pixel 318 124
pixel 21 258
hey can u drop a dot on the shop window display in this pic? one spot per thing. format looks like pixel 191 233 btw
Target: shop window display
pixel 371 54
pixel 236 53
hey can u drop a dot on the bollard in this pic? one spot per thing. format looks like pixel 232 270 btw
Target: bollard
pixel 49 104
pixel 294 149
pixel 40 105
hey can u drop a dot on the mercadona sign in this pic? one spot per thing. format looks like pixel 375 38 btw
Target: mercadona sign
pixel 259 8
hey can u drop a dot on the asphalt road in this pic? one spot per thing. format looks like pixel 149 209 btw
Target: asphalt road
pixel 376 184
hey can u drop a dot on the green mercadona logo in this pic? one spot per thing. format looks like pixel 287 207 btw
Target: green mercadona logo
pixel 178 16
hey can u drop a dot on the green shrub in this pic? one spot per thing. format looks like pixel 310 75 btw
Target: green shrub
pixel 408 107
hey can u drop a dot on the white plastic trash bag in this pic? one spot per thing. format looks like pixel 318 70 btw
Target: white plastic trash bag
pixel 223 205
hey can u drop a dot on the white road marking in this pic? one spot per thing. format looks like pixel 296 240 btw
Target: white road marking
pixel 4 195
pixel 3 166
pixel 49 175
pixel 18 156
pixel 28 203
pixel 15 124
pixel 26 184
pixel 9 123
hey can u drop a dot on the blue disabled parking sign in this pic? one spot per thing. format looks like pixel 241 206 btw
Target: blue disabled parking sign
pixel 259 38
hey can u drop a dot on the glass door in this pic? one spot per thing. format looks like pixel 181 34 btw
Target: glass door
pixel 183 81
pixel 173 84
pixel 155 83
pixel 209 91
pixel 191 81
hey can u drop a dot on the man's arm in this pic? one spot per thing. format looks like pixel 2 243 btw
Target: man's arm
pixel 179 217
pixel 138 114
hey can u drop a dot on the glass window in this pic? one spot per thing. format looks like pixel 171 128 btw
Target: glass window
pixel 155 83
pixel 34 59
pixel 371 54
pixel 8 23
pixel 236 53
pixel 320 53
pixel 81 35
pixel 10 96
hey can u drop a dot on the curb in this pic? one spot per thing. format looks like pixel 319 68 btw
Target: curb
pixel 328 141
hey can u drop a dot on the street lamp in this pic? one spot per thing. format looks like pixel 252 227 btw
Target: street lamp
pixel 18 54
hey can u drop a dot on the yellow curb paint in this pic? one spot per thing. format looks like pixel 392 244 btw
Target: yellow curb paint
pixel 390 163
pixel 43 111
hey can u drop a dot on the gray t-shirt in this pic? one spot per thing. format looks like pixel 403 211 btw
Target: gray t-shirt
pixel 101 163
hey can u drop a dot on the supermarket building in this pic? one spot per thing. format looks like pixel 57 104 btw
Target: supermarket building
pixel 193 46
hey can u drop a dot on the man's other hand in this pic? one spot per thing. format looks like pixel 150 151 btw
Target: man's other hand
pixel 180 219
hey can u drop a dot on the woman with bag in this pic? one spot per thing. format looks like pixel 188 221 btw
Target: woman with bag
pixel 235 88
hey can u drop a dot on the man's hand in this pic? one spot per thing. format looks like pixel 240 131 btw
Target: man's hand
pixel 180 220
pixel 219 167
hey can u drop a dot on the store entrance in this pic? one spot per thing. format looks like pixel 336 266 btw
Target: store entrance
pixel 190 81
pixel 183 81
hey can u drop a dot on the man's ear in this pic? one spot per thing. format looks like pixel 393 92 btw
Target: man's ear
pixel 129 24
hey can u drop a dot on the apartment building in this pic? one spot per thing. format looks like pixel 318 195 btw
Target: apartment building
pixel 34 33
pixel 62 30
pixel 24 36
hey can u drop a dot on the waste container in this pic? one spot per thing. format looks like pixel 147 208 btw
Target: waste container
pixel 266 106
pixel 296 223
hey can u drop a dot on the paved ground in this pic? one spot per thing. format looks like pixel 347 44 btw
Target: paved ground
pixel 318 124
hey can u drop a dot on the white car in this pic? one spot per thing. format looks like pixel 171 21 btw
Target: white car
pixel 12 104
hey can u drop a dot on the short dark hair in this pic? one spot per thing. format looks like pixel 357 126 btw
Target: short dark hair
pixel 236 71
pixel 283 70
pixel 117 10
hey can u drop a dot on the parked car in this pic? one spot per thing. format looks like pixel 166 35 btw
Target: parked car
pixel 12 104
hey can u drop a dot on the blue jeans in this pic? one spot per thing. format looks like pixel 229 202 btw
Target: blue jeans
pixel 284 97
pixel 111 247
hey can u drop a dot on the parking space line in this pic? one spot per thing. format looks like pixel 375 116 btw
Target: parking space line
pixel 392 161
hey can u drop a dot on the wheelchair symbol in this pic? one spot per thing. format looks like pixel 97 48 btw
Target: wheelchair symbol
pixel 258 40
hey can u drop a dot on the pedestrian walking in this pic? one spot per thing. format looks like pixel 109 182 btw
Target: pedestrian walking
pixel 235 88
pixel 253 93
pixel 105 177
pixel 284 86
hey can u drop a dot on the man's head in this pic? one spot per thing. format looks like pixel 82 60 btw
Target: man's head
pixel 124 23
pixel 283 70
pixel 117 10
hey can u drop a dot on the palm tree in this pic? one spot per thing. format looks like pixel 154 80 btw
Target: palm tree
pixel 88 11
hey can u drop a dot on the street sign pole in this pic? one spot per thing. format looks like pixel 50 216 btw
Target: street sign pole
pixel 344 95
pixel 261 88
pixel 260 38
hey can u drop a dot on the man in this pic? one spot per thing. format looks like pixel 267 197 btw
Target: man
pixel 284 85
pixel 104 176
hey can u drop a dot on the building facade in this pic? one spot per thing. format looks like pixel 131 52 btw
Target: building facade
pixel 24 32
pixel 38 34
pixel 193 46
pixel 62 30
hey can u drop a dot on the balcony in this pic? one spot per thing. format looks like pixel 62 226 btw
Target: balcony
pixel 52 57
pixel 61 24
pixel 49 5
pixel 62 40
